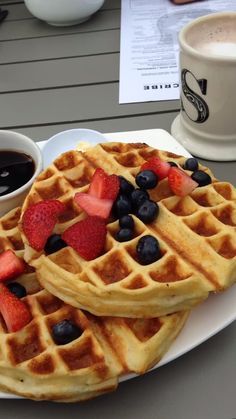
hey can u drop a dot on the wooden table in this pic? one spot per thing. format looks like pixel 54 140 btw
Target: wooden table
pixel 53 79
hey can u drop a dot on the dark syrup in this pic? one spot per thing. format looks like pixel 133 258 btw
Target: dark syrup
pixel 16 169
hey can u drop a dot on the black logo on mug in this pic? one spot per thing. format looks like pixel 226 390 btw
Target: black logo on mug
pixel 197 101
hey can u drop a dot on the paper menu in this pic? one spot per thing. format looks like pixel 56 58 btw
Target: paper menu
pixel 149 46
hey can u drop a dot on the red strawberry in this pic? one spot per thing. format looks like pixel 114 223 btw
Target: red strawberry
pixel 39 221
pixel 104 186
pixel 87 237
pixel 94 206
pixel 14 311
pixel 158 166
pixel 10 265
pixel 180 183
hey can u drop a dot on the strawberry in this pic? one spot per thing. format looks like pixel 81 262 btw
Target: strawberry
pixel 104 186
pixel 39 221
pixel 93 205
pixel 87 237
pixel 10 265
pixel 180 183
pixel 14 311
pixel 158 166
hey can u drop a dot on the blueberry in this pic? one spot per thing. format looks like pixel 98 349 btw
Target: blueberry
pixel 17 289
pixel 124 234
pixel 138 196
pixel 172 163
pixel 191 164
pixel 53 244
pixel 65 331
pixel 146 179
pixel 148 250
pixel 126 221
pixel 202 178
pixel 148 211
pixel 122 206
pixel 126 187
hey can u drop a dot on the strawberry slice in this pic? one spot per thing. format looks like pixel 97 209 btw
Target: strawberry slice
pixel 94 206
pixel 158 166
pixel 180 183
pixel 39 221
pixel 104 186
pixel 13 310
pixel 10 265
pixel 87 237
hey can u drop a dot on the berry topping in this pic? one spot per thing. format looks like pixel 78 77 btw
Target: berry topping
pixel 124 234
pixel 17 289
pixel 39 221
pixel 126 221
pixel 202 178
pixel 146 179
pixel 148 211
pixel 191 164
pixel 138 196
pixel 122 206
pixel 158 166
pixel 92 205
pixel 126 187
pixel 180 183
pixel 65 331
pixel 54 243
pixel 13 310
pixel 148 250
pixel 10 265
pixel 87 237
pixel 104 186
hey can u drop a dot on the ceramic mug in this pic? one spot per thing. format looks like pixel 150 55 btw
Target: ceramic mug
pixel 206 125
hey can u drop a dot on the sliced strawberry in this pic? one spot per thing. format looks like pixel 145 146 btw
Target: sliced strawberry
pixel 94 206
pixel 158 166
pixel 87 237
pixel 104 186
pixel 10 265
pixel 13 310
pixel 180 183
pixel 39 221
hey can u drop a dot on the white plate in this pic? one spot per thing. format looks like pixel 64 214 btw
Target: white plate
pixel 208 318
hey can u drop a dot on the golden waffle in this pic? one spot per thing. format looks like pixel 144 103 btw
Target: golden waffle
pixel 196 235
pixel 34 366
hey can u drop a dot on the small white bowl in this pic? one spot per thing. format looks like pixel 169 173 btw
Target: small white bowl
pixel 69 140
pixel 63 12
pixel 10 140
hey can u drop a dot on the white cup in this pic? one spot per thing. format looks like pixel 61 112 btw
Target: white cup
pixel 13 141
pixel 206 125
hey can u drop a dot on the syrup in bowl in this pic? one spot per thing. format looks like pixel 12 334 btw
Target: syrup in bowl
pixel 16 169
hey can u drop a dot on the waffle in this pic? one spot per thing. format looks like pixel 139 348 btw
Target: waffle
pixel 34 366
pixel 196 235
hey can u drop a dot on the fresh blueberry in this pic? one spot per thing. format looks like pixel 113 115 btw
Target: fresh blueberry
pixel 202 178
pixel 126 221
pixel 172 163
pixel 191 164
pixel 148 250
pixel 126 187
pixel 124 234
pixel 122 206
pixel 17 289
pixel 148 211
pixel 64 332
pixel 146 179
pixel 54 243
pixel 138 196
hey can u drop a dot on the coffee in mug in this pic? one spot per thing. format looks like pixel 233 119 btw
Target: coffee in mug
pixel 206 125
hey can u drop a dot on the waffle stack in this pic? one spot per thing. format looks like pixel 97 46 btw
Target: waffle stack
pixel 34 366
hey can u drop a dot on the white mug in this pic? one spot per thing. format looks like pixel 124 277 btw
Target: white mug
pixel 206 125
